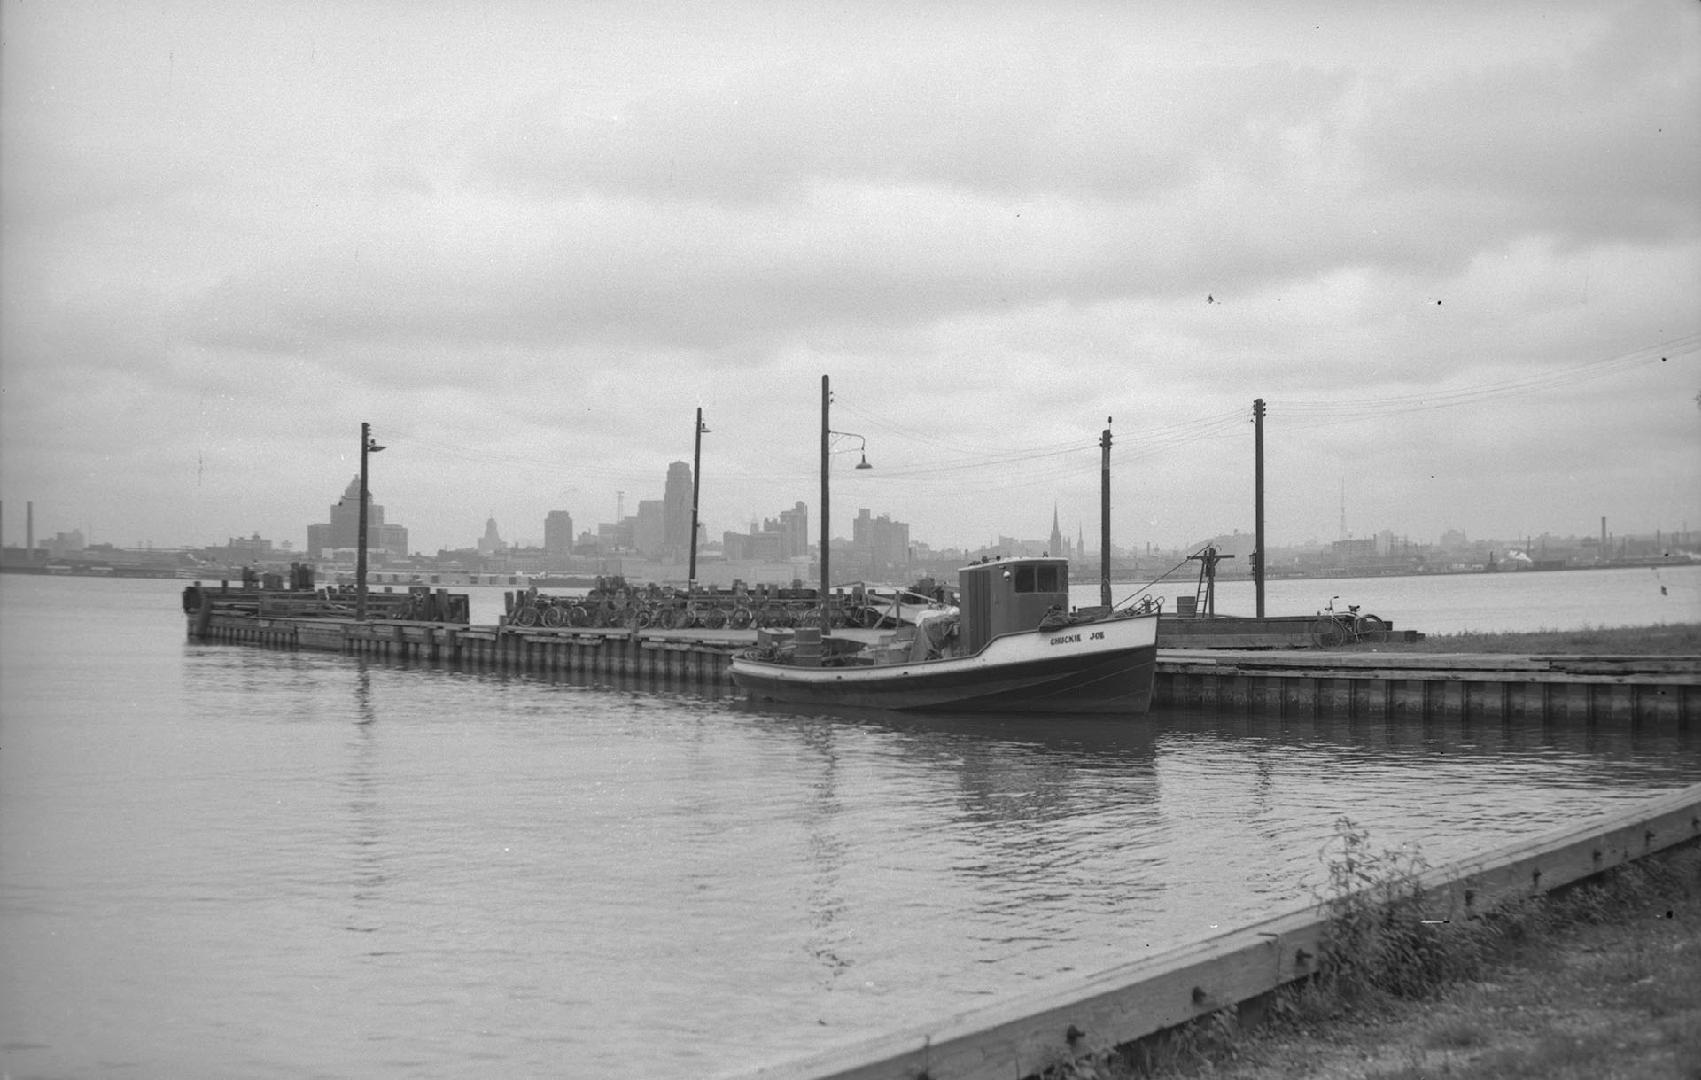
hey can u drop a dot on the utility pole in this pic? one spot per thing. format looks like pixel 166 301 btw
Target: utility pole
pixel 368 447
pixel 696 487
pixel 1104 516
pixel 1258 503
pixel 826 621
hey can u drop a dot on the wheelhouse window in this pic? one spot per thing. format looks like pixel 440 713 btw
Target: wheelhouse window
pixel 1040 578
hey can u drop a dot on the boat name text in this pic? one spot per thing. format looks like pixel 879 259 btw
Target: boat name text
pixel 1065 639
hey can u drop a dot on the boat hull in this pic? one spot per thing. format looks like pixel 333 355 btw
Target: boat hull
pixel 1098 668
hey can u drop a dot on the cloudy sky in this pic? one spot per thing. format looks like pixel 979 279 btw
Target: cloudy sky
pixel 1455 247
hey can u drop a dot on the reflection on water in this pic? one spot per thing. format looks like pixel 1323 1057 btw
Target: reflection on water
pixel 295 862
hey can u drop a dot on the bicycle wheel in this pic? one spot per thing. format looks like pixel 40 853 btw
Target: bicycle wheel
pixel 1369 626
pixel 1326 633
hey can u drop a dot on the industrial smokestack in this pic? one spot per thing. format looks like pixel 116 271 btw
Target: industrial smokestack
pixel 29 529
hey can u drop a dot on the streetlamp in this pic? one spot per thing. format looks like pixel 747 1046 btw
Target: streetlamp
pixel 827 434
pixel 368 447
pixel 696 486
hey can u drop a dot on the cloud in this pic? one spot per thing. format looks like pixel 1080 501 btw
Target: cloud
pixel 526 242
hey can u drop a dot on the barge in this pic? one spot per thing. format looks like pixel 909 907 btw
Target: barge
pixel 1664 692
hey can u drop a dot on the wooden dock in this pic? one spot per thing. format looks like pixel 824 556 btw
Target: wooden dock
pixel 1299 683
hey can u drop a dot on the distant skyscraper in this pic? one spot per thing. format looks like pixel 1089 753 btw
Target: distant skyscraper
pixel 649 529
pixel 881 544
pixel 343 530
pixel 558 533
pixel 491 542
pixel 345 516
pixel 676 510
pixel 794 526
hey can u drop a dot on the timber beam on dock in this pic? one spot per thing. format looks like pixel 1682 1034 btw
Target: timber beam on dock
pixel 1298 684
pixel 1026 1035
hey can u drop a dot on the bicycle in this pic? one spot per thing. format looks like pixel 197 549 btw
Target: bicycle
pixel 1334 628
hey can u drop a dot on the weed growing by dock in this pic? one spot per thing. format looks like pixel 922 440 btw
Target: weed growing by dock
pixel 1599 979
pixel 1379 937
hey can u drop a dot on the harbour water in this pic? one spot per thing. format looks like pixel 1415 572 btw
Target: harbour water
pixel 217 860
pixel 1455 603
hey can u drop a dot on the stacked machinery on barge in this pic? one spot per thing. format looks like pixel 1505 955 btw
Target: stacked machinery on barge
pixel 614 603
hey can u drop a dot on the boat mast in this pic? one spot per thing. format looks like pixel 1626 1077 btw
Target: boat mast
pixel 1104 516
pixel 826 398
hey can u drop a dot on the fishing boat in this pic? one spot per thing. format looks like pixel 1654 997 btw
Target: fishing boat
pixel 1012 645
pixel 1012 642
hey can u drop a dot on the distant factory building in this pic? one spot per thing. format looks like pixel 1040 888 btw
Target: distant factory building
pixel 775 540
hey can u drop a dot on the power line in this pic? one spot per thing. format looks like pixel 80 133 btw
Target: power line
pixel 1532 383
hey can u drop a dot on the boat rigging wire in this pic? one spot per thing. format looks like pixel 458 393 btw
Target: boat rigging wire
pixel 1142 590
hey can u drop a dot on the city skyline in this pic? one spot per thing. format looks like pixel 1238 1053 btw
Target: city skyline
pixel 1079 541
pixel 1459 258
